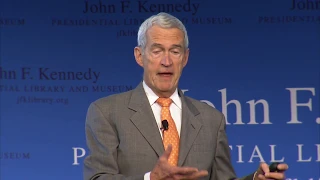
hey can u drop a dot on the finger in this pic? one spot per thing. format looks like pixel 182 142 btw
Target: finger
pixel 261 177
pixel 274 175
pixel 184 170
pixel 264 167
pixel 283 167
pixel 197 175
pixel 167 152
pixel 194 175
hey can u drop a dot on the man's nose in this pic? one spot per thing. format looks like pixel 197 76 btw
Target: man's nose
pixel 166 60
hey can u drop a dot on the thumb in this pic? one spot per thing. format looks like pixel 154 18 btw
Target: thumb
pixel 167 152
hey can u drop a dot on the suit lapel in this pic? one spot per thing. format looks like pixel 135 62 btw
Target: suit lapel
pixel 144 119
pixel 190 127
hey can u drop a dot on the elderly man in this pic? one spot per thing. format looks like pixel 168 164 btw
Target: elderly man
pixel 154 131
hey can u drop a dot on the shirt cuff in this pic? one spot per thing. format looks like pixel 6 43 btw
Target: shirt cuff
pixel 147 176
pixel 254 175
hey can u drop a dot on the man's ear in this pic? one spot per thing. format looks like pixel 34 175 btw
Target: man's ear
pixel 138 55
pixel 186 57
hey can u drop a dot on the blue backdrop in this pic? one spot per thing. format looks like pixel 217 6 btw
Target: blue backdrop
pixel 256 61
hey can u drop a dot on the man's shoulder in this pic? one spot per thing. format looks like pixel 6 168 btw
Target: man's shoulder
pixel 202 106
pixel 113 99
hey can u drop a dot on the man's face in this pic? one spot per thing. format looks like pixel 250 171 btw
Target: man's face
pixel 163 59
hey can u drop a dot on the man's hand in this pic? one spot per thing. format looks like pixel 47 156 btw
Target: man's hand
pixel 164 171
pixel 263 172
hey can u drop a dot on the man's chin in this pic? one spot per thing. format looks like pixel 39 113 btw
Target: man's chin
pixel 165 87
pixel 167 90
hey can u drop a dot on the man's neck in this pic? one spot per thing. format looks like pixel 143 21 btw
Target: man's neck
pixel 162 94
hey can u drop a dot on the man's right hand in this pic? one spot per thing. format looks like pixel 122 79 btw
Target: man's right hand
pixel 164 171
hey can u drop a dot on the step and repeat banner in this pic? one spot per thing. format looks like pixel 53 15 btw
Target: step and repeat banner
pixel 256 61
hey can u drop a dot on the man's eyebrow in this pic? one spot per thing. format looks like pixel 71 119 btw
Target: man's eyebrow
pixel 156 45
pixel 160 46
pixel 176 46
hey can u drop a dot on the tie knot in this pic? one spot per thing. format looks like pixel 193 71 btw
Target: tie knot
pixel 164 102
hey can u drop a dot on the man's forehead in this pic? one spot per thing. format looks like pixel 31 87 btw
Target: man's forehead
pixel 157 30
pixel 158 35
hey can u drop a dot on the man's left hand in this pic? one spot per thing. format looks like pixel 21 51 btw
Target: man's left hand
pixel 263 172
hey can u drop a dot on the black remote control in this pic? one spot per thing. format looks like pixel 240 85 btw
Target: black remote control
pixel 273 167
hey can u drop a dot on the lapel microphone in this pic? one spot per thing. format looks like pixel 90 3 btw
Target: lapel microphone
pixel 274 167
pixel 165 125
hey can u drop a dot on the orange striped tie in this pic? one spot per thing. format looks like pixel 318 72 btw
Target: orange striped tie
pixel 171 135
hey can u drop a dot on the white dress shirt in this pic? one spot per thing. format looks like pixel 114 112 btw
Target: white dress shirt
pixel 175 110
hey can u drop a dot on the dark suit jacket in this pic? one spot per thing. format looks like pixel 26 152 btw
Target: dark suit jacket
pixel 125 143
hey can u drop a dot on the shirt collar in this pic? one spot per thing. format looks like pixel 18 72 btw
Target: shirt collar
pixel 152 97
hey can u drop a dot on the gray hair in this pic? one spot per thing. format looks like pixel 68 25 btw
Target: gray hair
pixel 163 20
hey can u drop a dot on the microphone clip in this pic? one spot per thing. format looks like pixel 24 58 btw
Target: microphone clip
pixel 165 125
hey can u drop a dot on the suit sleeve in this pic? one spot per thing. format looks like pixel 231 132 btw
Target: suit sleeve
pixel 222 168
pixel 102 142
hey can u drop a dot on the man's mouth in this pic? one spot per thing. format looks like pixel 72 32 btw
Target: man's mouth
pixel 165 74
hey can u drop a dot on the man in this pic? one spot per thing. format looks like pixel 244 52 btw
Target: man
pixel 154 131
